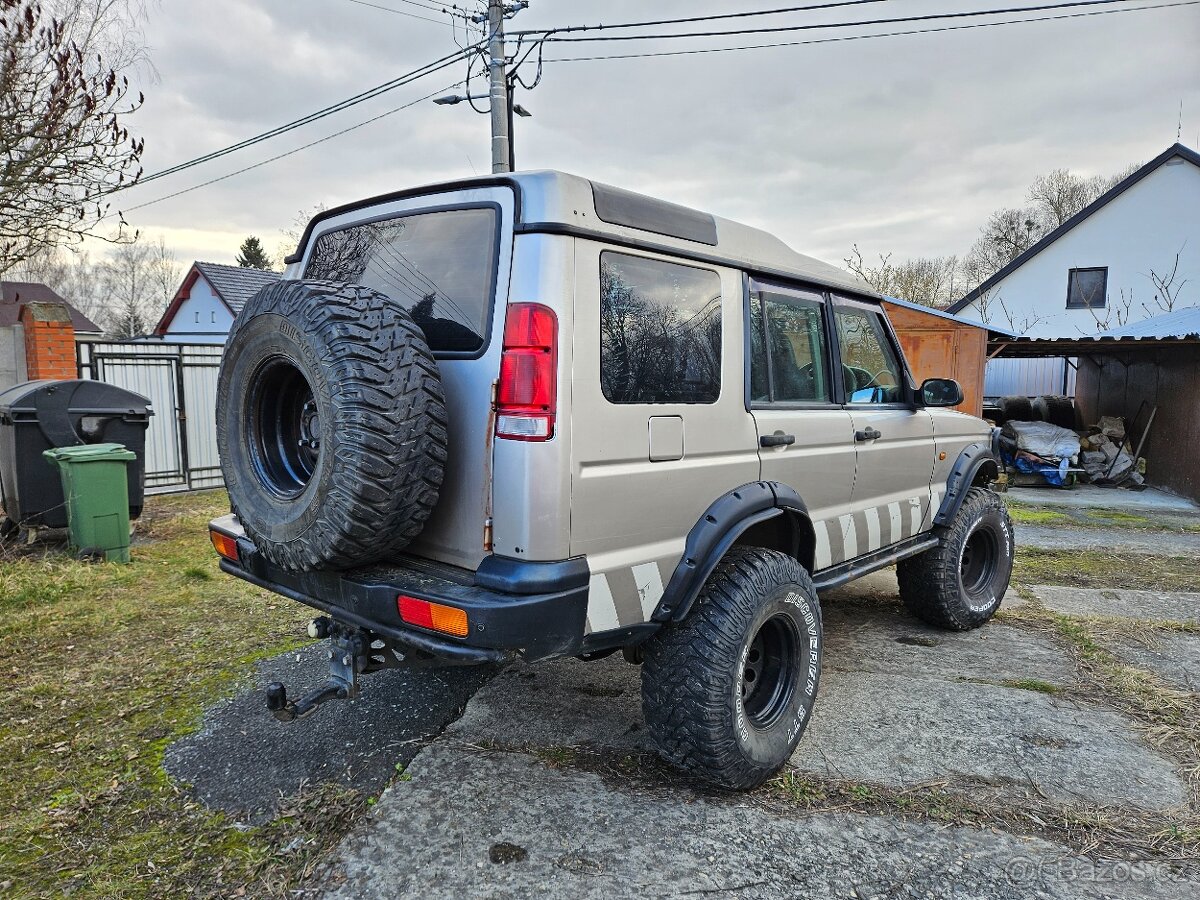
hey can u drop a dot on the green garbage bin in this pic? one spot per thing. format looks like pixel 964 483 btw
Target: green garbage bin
pixel 95 485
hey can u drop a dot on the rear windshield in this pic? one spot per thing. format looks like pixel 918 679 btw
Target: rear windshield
pixel 440 265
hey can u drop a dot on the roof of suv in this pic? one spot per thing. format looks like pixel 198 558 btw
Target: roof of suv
pixel 552 201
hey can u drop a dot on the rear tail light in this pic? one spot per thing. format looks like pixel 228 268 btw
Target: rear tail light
pixel 434 616
pixel 526 392
pixel 224 545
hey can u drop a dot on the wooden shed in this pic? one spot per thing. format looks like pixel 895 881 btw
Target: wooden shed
pixel 1148 366
pixel 940 345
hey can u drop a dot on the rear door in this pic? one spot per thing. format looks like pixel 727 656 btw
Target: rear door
pixel 806 438
pixel 893 437
pixel 446 258
pixel 658 418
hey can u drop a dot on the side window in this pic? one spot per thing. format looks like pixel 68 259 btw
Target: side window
pixel 660 331
pixel 869 366
pixel 788 358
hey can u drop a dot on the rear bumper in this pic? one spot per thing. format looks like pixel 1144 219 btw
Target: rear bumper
pixel 540 613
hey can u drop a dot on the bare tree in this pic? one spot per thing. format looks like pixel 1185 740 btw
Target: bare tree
pixel 1166 290
pixel 64 101
pixel 1056 197
pixel 139 280
pixel 928 280
pixel 72 274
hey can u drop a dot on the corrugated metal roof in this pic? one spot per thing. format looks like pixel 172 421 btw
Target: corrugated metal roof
pixel 235 284
pixel 1178 324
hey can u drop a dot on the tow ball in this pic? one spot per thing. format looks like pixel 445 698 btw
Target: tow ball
pixel 352 652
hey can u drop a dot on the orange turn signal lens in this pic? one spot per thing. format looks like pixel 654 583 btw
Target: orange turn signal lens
pixel 224 545
pixel 434 616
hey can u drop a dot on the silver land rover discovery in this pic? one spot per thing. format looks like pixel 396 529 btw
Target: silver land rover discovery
pixel 531 415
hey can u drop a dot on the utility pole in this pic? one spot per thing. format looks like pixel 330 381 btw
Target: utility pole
pixel 501 152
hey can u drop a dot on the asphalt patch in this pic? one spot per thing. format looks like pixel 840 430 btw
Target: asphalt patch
pixel 242 761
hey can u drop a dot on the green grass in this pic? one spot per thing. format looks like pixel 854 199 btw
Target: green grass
pixel 1033 684
pixel 1106 569
pixel 104 666
pixel 1029 515
pixel 1117 517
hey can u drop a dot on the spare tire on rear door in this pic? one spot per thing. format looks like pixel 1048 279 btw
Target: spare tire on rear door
pixel 331 424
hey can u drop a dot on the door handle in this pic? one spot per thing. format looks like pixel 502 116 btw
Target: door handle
pixel 868 434
pixel 777 440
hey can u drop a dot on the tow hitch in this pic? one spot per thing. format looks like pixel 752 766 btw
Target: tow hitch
pixel 353 651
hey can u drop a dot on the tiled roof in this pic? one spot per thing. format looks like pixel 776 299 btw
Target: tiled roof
pixel 15 294
pixel 235 284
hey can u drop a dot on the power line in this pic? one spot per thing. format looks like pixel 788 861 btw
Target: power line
pixel 398 12
pixel 861 37
pixel 736 15
pixel 454 11
pixel 775 29
pixel 277 157
pixel 369 94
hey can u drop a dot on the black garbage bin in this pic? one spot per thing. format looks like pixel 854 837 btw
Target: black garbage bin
pixel 42 415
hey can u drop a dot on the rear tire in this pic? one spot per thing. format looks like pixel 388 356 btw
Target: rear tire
pixel 958 585
pixel 728 692
pixel 331 424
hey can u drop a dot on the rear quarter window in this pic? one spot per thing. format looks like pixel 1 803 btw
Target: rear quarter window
pixel 440 265
pixel 660 331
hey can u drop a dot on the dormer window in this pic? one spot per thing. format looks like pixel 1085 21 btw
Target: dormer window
pixel 1087 288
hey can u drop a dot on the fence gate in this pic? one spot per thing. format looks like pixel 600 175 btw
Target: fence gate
pixel 180 380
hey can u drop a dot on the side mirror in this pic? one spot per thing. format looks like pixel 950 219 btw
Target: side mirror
pixel 941 392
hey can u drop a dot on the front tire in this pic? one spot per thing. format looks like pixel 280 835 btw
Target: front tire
pixel 958 585
pixel 728 692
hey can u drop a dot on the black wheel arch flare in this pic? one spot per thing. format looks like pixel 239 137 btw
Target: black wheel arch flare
pixel 729 517
pixel 976 465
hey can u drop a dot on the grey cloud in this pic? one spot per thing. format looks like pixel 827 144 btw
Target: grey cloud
pixel 900 144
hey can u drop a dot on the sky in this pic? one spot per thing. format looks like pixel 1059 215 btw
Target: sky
pixel 900 145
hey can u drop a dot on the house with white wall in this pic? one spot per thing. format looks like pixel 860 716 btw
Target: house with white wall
pixel 207 301
pixel 1132 254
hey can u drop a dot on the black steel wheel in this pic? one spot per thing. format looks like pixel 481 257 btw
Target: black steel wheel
pixel 960 583
pixel 728 692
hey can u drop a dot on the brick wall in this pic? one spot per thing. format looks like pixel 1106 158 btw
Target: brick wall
pixel 49 341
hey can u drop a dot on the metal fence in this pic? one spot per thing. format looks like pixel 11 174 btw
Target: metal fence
pixel 1029 377
pixel 180 380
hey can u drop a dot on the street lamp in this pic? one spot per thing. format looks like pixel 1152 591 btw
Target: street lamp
pixel 517 108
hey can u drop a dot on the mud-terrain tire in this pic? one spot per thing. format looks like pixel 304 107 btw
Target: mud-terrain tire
pixel 331 424
pixel 727 692
pixel 1016 409
pixel 958 585
pixel 1058 411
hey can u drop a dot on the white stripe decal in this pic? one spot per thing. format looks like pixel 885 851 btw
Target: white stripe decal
pixel 897 528
pixel 873 541
pixel 649 585
pixel 935 503
pixel 914 511
pixel 849 536
pixel 602 612
pixel 821 558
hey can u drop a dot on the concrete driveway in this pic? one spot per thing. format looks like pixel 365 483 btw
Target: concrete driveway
pixel 937 765
pixel 1052 753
